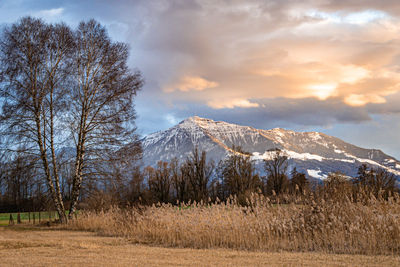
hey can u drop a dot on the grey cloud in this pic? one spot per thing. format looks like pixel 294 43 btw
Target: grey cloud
pixel 279 112
pixel 392 106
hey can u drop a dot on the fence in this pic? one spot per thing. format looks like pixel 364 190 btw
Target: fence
pixel 37 217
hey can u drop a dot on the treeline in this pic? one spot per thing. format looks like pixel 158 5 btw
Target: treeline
pixel 195 179
pixel 22 187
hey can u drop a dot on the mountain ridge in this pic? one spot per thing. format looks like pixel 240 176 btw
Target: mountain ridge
pixel 315 153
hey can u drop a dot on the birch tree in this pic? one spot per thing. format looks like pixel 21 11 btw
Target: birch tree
pixel 61 87
pixel 34 69
pixel 102 112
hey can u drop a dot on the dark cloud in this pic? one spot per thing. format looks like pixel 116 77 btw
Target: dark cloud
pixel 392 106
pixel 280 111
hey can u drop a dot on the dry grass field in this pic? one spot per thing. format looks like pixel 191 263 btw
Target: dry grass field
pixel 315 232
pixel 53 247
pixel 341 227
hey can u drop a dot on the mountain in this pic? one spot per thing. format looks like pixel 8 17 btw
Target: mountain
pixel 314 153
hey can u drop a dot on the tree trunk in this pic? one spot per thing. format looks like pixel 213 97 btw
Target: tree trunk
pixel 77 181
pixel 55 197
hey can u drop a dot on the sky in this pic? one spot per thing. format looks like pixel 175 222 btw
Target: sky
pixel 316 65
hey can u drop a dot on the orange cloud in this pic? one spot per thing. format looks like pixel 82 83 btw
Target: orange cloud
pixel 356 100
pixel 191 83
pixel 305 50
pixel 232 103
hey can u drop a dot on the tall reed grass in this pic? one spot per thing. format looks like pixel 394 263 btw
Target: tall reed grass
pixel 313 224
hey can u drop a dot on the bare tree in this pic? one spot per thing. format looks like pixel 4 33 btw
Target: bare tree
pixel 336 186
pixel 276 168
pixel 159 181
pixel 17 181
pixel 51 77
pixel 102 99
pixel 298 182
pixel 238 173
pixel 198 172
pixel 180 182
pixel 34 68
pixel 376 181
pixel 137 188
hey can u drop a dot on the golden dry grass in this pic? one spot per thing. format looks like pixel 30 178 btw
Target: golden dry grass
pixel 330 226
pixel 75 248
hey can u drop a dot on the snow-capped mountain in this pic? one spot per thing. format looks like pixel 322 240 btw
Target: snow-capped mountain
pixel 314 153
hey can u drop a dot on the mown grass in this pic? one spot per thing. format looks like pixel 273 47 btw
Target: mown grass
pixel 41 247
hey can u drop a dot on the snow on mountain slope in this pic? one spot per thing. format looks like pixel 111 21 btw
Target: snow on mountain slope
pixel 314 153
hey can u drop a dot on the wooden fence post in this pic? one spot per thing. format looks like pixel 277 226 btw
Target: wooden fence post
pixel 39 216
pixel 29 217
pixel 18 218
pixel 34 218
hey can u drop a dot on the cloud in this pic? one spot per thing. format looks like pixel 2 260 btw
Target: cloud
pixel 191 83
pixel 220 55
pixel 49 13
pixel 280 49
pixel 390 107
pixel 313 62
pixel 361 100
pixel 360 17
pixel 280 112
pixel 232 103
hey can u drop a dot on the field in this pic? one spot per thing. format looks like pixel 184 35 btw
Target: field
pixel 315 232
pixel 22 246
pixel 338 227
